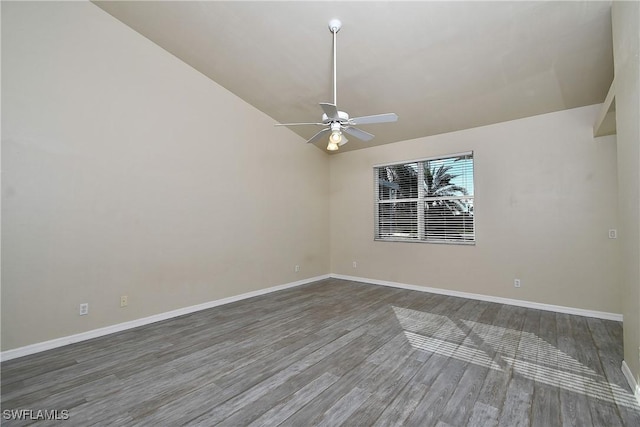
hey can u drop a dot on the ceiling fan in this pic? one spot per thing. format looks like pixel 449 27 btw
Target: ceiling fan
pixel 335 121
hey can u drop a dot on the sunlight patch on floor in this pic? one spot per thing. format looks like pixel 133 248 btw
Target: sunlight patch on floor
pixel 505 349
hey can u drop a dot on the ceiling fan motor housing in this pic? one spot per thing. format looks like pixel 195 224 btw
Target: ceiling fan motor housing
pixel 344 117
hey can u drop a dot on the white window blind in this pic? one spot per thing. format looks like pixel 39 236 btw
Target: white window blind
pixel 429 200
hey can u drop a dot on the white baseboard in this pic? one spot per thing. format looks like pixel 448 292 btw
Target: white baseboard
pixel 635 388
pixel 59 342
pixel 83 336
pixel 509 301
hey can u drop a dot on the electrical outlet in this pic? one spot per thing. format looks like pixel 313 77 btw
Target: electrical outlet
pixel 124 301
pixel 613 233
pixel 355 264
pixel 516 283
pixel 297 269
pixel 84 308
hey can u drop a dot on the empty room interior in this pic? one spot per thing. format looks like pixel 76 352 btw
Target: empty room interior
pixel 264 213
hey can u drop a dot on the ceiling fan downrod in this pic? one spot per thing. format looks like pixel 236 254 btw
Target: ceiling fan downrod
pixel 334 27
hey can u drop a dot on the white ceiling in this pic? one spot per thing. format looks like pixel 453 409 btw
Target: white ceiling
pixel 441 66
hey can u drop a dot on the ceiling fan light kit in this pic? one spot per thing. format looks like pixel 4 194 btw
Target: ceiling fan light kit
pixel 337 122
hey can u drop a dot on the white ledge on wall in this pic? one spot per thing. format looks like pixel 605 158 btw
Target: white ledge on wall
pixel 606 121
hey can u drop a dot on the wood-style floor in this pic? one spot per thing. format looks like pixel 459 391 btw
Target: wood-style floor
pixel 338 353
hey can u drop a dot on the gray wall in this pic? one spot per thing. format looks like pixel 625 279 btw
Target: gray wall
pixel 127 172
pixel 626 50
pixel 545 198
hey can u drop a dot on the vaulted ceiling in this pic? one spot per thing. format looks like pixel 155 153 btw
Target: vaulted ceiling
pixel 441 66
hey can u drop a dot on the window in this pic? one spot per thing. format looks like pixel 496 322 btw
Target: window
pixel 428 200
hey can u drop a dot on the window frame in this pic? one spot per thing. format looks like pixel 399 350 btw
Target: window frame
pixel 421 225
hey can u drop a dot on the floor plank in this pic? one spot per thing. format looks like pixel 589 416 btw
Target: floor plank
pixel 336 352
pixel 546 401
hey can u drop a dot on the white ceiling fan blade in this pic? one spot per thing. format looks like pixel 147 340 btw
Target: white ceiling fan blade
pixel 298 124
pixel 343 141
pixel 377 118
pixel 358 133
pixel 330 110
pixel 317 136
